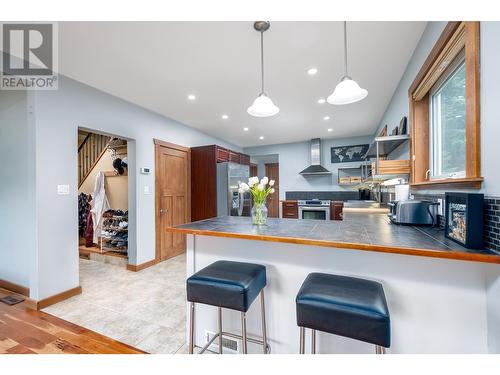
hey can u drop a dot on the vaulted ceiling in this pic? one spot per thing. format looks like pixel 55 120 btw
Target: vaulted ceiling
pixel 158 64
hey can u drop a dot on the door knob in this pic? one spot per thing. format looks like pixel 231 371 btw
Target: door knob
pixel 163 210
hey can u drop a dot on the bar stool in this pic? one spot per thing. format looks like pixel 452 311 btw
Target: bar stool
pixel 230 285
pixel 344 306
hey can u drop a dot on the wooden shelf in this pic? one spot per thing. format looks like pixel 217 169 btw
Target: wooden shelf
pixel 386 145
pixel 391 167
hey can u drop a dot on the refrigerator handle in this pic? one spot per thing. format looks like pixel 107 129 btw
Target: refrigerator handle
pixel 240 201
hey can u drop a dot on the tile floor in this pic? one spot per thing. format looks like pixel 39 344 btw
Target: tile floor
pixel 145 309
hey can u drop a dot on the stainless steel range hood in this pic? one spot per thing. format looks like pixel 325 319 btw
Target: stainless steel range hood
pixel 315 168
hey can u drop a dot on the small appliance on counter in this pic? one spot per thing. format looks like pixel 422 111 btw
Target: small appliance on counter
pixel 464 219
pixel 402 192
pixel 413 212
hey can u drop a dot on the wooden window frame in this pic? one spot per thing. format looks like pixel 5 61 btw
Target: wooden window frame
pixel 457 36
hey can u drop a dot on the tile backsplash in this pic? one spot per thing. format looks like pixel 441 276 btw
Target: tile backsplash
pixel 491 229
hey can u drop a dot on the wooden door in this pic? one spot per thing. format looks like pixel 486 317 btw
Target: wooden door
pixel 173 201
pixel 253 170
pixel 273 172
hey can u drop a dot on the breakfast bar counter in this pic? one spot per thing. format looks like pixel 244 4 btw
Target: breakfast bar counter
pixel 358 231
pixel 442 297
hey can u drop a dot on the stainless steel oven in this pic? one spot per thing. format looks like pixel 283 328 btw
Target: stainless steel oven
pixel 314 209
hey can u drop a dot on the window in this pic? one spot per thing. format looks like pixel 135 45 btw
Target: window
pixel 444 112
pixel 447 123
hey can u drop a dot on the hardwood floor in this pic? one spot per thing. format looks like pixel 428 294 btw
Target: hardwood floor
pixel 27 331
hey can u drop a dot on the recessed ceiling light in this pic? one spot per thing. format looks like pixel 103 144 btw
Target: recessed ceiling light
pixel 326 118
pixel 191 97
pixel 330 129
pixel 261 137
pixel 321 100
pixel 245 129
pixel 225 117
pixel 312 71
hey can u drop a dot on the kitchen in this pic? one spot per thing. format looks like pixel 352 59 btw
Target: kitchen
pixel 322 207
pixel 353 206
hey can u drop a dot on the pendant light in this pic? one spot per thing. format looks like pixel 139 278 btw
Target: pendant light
pixel 262 106
pixel 347 91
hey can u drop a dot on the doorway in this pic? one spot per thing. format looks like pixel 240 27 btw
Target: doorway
pixel 103 197
pixel 173 197
pixel 114 301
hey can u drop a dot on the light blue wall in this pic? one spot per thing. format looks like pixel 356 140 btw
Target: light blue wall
pixel 55 117
pixel 17 186
pixel 490 107
pixel 490 98
pixel 294 157
pixel 399 105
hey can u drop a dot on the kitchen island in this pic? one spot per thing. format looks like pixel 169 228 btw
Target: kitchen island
pixel 442 297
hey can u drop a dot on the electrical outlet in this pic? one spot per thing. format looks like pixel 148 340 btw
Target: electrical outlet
pixel 228 345
pixel 440 209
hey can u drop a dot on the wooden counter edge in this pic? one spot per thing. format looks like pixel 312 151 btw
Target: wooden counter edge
pixel 443 254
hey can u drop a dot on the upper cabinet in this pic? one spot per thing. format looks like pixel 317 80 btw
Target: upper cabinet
pixel 204 161
pixel 223 155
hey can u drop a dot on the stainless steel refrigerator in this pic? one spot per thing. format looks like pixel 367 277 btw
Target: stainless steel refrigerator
pixel 229 201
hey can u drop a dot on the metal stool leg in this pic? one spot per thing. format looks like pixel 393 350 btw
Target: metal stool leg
pixel 219 326
pixel 379 349
pixel 313 341
pixel 191 328
pixel 263 317
pixel 244 333
pixel 302 340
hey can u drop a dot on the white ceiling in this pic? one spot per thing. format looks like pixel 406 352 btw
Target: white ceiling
pixel 157 64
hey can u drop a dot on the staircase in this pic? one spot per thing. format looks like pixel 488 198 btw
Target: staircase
pixel 90 150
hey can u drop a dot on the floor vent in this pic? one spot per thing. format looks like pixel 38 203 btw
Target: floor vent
pixel 228 345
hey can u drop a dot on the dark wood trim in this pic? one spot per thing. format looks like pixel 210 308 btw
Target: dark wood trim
pixel 469 32
pixel 472 99
pixel 43 303
pixel 444 38
pixel 16 288
pixel 140 267
pixel 158 142
pixel 450 183
pixel 419 140
pixel 443 254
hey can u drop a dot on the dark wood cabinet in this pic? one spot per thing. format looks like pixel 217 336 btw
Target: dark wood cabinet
pixel 336 209
pixel 244 159
pixel 204 161
pixel 222 154
pixel 234 157
pixel 290 209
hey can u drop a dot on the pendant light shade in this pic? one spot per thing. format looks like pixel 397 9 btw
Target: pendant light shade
pixel 263 106
pixel 347 90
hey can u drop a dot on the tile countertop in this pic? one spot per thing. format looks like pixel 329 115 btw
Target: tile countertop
pixel 358 231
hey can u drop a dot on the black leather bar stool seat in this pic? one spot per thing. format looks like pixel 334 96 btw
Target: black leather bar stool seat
pixel 231 285
pixel 344 306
